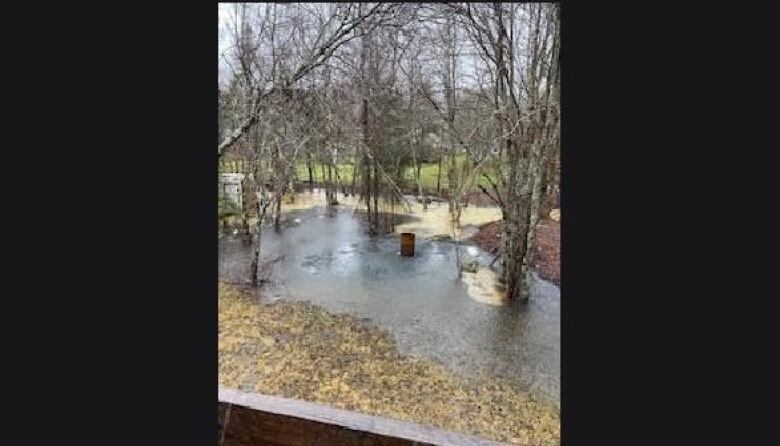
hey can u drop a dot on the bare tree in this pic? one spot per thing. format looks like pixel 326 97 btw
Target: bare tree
pixel 526 112
pixel 337 25
pixel 370 83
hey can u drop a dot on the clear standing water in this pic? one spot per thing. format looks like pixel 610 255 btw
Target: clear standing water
pixel 327 257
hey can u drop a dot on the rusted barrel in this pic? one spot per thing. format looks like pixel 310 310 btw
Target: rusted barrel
pixel 407 244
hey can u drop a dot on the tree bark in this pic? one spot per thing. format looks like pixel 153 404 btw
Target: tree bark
pixel 310 167
pixel 278 214
pixel 376 193
pixel 438 177
pixel 255 267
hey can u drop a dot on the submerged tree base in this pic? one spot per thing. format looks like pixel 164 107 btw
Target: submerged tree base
pixel 298 350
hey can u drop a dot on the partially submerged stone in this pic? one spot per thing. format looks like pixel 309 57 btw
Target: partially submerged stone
pixel 471 266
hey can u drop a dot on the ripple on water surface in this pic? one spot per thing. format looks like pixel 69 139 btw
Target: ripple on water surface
pixel 463 324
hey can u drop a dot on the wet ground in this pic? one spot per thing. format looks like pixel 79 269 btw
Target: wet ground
pixel 326 256
pixel 301 351
pixel 547 261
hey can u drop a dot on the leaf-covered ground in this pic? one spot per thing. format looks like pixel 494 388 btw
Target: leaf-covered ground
pixel 547 261
pixel 298 350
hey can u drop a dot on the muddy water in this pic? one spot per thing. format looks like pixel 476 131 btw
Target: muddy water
pixel 327 257
pixel 428 222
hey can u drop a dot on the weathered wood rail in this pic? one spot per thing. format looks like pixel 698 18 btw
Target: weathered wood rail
pixel 251 419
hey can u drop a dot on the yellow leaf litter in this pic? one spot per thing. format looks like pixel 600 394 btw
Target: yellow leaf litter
pixel 299 350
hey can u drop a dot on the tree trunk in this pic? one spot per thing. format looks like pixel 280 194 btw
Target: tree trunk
pixel 416 171
pixel 255 267
pixel 533 219
pixel 337 186
pixel 354 175
pixel 327 185
pixel 331 194
pixel 454 188
pixel 438 177
pixel 392 213
pixel 324 180
pixel 458 261
pixel 247 236
pixel 376 193
pixel 278 214
pixel 310 167
pixel 367 185
pixel 256 259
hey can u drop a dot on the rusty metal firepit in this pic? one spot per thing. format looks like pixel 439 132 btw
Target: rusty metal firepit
pixel 407 244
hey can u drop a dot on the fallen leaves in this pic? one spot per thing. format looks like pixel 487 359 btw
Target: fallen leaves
pixel 298 350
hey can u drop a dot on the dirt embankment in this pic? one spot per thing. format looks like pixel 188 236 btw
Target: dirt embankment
pixel 547 260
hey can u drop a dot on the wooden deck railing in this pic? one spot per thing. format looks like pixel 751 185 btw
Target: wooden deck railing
pixel 251 419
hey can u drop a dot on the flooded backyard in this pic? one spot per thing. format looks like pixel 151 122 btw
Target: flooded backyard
pixel 433 300
pixel 326 258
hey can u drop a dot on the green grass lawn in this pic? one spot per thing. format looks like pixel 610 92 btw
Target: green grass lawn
pixel 346 171
pixel 428 173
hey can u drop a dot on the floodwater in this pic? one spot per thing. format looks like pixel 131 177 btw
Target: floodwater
pixel 327 257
